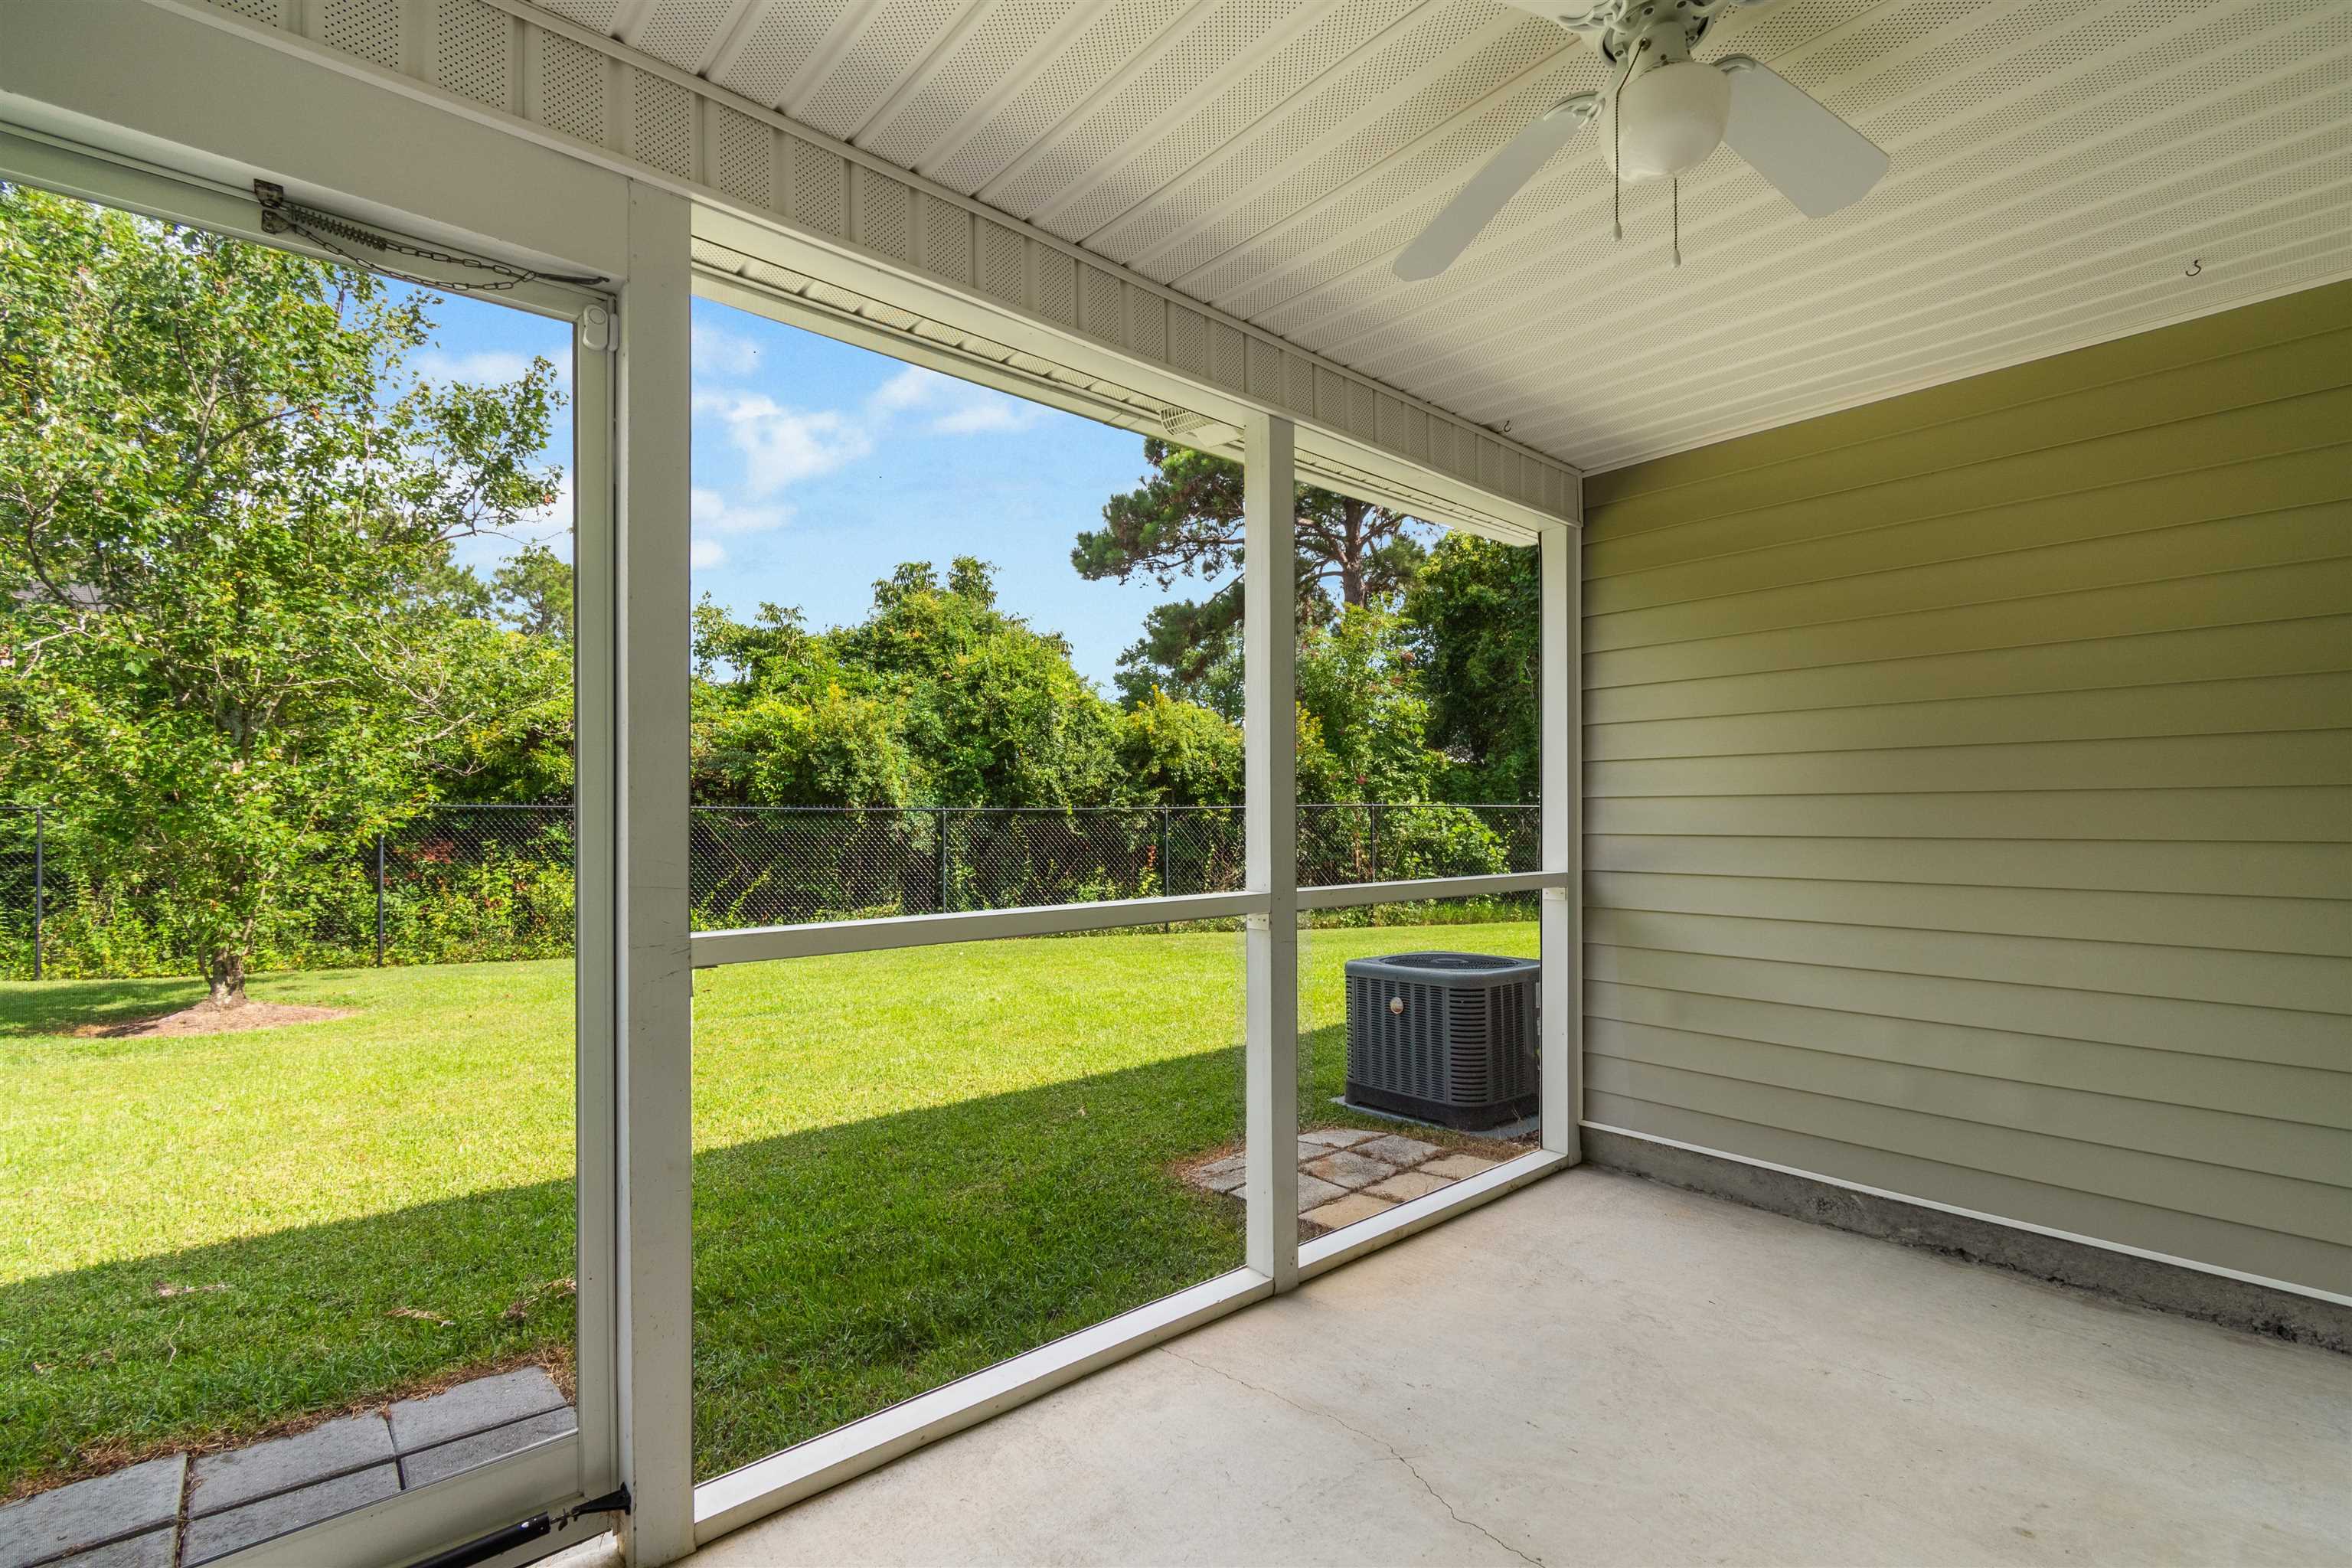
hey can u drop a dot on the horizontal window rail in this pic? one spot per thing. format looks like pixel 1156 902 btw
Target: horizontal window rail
pixel 761 944
pixel 1355 895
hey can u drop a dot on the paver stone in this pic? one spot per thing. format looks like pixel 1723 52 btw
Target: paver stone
pixel 475 1406
pixel 422 1469
pixel 1347 1211
pixel 1397 1150
pixel 1346 1168
pixel 282 1464
pixel 84 1514
pixel 233 1529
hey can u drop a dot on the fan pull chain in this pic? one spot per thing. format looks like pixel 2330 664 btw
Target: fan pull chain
pixel 1678 220
pixel 1616 141
pixel 1616 172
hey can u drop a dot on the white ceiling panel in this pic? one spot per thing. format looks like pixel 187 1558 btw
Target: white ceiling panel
pixel 2065 172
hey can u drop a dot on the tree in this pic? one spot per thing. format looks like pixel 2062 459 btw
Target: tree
pixel 1185 520
pixel 533 594
pixel 1179 753
pixel 746 652
pixel 795 726
pixel 994 714
pixel 937 697
pixel 1189 652
pixel 526 757
pixel 1475 617
pixel 824 747
pixel 232 642
pixel 1362 723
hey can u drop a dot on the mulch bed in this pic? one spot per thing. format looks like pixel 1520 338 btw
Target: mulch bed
pixel 205 1018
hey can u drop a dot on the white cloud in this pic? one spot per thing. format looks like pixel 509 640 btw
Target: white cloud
pixel 783 446
pixel 911 388
pixel 964 408
pixel 714 513
pixel 481 366
pixel 718 352
pixel 986 411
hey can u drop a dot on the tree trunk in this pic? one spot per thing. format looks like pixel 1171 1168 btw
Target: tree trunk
pixel 225 974
pixel 1352 555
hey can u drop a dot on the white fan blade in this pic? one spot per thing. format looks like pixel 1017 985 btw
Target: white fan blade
pixel 1492 187
pixel 1817 161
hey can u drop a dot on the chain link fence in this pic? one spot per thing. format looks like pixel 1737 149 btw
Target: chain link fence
pixel 455 884
pixel 22 872
pixel 474 883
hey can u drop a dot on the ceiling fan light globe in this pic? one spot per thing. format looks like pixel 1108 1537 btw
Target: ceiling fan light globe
pixel 1671 118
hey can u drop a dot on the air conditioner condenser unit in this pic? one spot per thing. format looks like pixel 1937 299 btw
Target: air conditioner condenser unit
pixel 1449 1038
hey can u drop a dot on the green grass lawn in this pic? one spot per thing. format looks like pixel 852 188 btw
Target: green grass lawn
pixel 907 1166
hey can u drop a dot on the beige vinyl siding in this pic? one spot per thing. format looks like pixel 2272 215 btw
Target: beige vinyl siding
pixel 1969 793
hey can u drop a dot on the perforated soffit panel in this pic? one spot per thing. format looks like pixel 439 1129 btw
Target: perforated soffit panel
pixel 2065 172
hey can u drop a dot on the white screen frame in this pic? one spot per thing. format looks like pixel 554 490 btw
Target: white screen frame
pixel 558 1471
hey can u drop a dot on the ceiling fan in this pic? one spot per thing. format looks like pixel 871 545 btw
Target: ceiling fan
pixel 1661 115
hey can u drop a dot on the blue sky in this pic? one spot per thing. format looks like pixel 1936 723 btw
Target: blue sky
pixel 819 466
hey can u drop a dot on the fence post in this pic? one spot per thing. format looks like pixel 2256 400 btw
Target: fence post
pixel 1166 866
pixel 379 900
pixel 39 891
pixel 1372 841
pixel 945 899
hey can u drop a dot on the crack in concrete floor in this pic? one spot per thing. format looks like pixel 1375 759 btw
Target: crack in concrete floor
pixel 1373 1438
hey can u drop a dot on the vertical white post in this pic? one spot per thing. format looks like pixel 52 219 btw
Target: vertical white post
pixel 655 977
pixel 595 665
pixel 1270 812
pixel 1560 683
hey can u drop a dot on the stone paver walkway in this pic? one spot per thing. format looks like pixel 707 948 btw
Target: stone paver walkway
pixel 181 1512
pixel 1346 1173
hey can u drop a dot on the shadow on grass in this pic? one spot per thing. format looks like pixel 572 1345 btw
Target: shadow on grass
pixel 837 1271
pixel 61 1006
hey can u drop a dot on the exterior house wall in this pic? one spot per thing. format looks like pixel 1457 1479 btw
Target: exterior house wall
pixel 1967 796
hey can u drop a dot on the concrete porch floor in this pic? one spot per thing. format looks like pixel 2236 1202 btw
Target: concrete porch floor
pixel 1600 1370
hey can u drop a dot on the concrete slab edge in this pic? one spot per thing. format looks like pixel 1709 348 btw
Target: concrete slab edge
pixel 2142 1281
